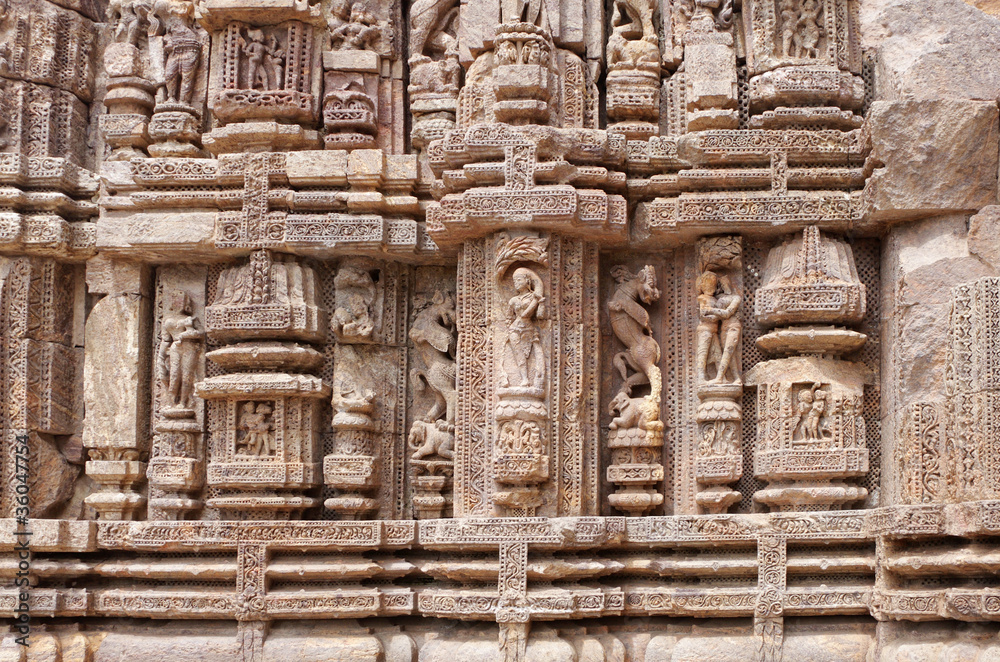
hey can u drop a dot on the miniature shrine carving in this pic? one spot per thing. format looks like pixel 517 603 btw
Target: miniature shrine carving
pixel 500 330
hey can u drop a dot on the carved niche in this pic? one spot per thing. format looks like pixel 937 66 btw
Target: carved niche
pixel 717 364
pixel 804 61
pixel 431 439
pixel 364 470
pixel 635 434
pixel 178 59
pixel 265 81
pixel 176 465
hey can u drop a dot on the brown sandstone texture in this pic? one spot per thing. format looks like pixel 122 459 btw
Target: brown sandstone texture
pixel 499 330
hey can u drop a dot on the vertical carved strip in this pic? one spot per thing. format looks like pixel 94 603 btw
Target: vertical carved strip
pixel 513 615
pixel 472 471
pixel 768 617
pixel 921 463
pixel 559 445
pixel 972 385
pixel 685 485
pixel 590 315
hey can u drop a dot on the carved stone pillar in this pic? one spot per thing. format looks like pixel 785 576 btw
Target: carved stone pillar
pixel 264 426
pixel 529 215
pixel 116 386
pixel 710 84
pixel 633 70
pixel 434 70
pixel 432 437
pixel 635 434
pixel 717 364
pixel 810 429
pixel 804 61
pixel 129 96
pixel 353 467
pixel 967 466
pixel 38 379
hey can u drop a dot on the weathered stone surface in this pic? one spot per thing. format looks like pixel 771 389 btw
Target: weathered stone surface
pixel 53 476
pixel 938 50
pixel 926 260
pixel 927 164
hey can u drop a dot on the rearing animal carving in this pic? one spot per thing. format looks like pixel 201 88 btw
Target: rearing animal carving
pixel 433 336
pixel 630 322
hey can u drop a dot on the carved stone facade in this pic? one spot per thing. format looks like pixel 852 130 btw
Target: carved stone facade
pixel 499 330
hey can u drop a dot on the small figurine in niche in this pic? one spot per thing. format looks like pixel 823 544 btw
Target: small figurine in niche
pixel 355 294
pixel 179 351
pixel 127 16
pixel 815 413
pixel 357 30
pixel 274 63
pixel 353 317
pixel 264 430
pixel 730 330
pixel 248 446
pixel 789 23
pixel 255 50
pixel 523 350
pixel 255 423
pixel 810 409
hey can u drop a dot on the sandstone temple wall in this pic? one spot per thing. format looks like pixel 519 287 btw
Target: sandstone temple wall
pixel 499 330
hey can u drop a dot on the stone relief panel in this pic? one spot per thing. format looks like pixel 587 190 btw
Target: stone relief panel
pixel 559 318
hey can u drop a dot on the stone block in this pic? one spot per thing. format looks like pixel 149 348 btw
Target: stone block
pixel 927 159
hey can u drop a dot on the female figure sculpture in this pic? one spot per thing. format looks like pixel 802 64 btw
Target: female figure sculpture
pixel 180 347
pixel 523 351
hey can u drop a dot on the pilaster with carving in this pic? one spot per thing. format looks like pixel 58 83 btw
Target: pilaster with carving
pixel 362 83
pixel 804 62
pixel 633 80
pixel 635 434
pixel 179 58
pixel 810 428
pixel 176 470
pixel 366 467
pixel 129 97
pixel 718 358
pixel 264 426
pixel 431 439
pixel 116 387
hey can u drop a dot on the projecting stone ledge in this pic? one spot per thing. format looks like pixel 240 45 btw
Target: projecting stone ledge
pixel 674 221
